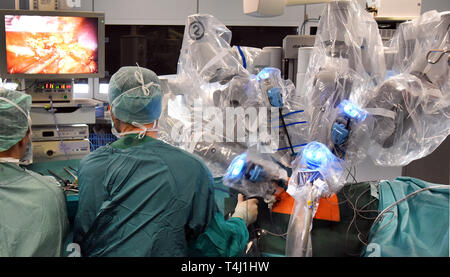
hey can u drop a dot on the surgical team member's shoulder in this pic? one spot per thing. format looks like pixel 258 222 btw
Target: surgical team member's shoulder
pixel 183 157
pixel 99 154
pixel 42 180
pixel 48 182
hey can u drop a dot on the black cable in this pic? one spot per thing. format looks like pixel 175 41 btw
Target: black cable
pixel 302 28
pixel 278 229
pixel 381 214
pixel 264 231
pixel 361 210
pixel 285 129
pixel 353 176
pixel 52 111
pixel 349 226
pixel 356 213
pixel 357 210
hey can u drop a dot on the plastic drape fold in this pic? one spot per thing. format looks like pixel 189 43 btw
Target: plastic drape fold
pixel 411 109
pixel 255 175
pixel 347 62
pixel 218 106
pixel 359 99
pixel 317 173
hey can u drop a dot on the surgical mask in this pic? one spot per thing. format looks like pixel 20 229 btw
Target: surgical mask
pixel 114 131
pixel 141 134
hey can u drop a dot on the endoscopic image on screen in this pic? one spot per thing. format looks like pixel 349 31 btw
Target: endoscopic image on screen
pixel 51 44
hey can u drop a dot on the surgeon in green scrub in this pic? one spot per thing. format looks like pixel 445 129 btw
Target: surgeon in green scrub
pixel 142 197
pixel 33 217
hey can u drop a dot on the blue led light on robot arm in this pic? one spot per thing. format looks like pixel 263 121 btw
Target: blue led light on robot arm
pixel 237 167
pixel 266 73
pixel 262 75
pixel 316 155
pixel 256 174
pixel 352 110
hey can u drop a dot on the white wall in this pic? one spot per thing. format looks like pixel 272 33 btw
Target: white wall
pixel 174 12
pixel 439 5
pixel 368 171
pixel 146 12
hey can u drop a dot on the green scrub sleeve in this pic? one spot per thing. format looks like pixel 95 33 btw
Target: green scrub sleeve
pixel 222 238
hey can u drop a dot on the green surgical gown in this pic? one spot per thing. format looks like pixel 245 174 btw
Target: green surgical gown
pixel 417 227
pixel 33 217
pixel 147 198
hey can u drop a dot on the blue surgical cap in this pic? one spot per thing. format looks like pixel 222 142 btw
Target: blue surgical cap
pixel 14 117
pixel 135 95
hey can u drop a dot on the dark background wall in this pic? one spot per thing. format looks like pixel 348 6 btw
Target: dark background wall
pixel 434 168
pixel 158 47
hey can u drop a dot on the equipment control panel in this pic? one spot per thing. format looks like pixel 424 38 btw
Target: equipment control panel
pixel 58 90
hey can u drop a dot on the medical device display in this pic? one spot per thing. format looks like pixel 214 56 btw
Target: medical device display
pixel 57 45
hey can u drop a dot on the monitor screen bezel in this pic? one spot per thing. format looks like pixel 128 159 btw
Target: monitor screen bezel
pixel 101 45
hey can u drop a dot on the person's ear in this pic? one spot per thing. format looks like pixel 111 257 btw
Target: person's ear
pixel 24 141
pixel 116 122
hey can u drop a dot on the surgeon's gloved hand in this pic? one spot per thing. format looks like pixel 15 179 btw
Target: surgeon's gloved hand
pixel 247 210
